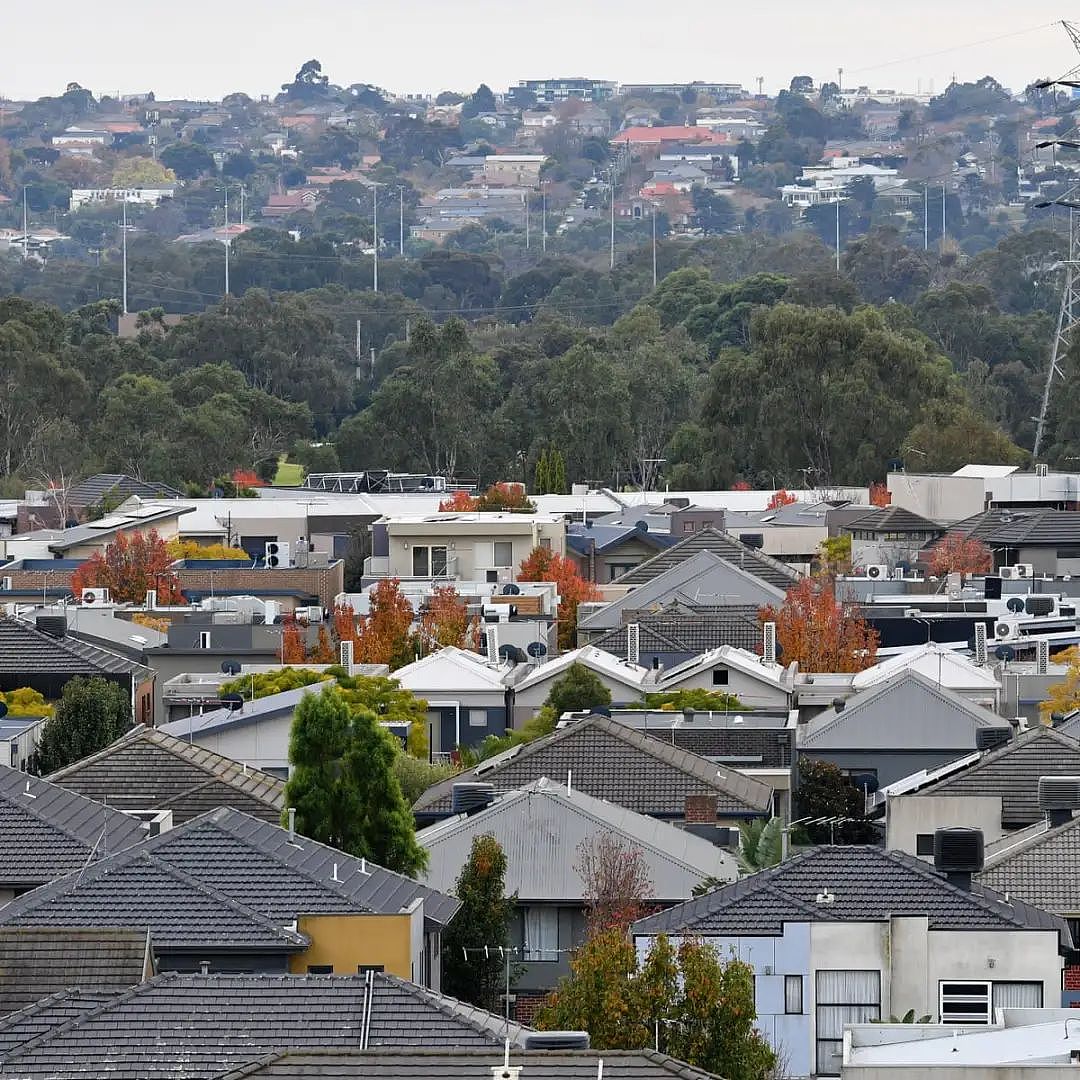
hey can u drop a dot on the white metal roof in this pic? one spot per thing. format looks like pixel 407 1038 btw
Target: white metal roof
pixel 935 662
pixel 597 660
pixel 451 670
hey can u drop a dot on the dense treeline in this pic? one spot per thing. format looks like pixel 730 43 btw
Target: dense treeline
pixel 753 360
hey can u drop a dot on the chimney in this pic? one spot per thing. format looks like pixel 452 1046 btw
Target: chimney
pixel 346 657
pixel 981 656
pixel 1042 657
pixel 491 637
pixel 768 650
pixel 700 810
pixel 633 643
pixel 958 853
pixel 151 599
pixel 292 825
pixel 1059 796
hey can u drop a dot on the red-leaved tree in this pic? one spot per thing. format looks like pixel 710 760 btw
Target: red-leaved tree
pixel 444 619
pixel 819 632
pixel 383 635
pixel 542 564
pixel 130 567
pixel 293 648
pixel 880 495
pixel 781 498
pixel 344 623
pixel 459 501
pixel 955 553
pixel 507 498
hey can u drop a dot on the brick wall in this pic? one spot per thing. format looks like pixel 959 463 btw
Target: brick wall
pixel 700 810
pixel 526 1006
pixel 1072 977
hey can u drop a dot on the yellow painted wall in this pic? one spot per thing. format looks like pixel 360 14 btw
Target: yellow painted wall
pixel 346 941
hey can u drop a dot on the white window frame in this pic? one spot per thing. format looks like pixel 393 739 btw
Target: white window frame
pixel 545 927
pixel 482 714
pixel 974 992
pixel 495 558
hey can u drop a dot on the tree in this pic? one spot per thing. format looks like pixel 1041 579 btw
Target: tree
pixel 955 553
pixel 132 565
pixel 616 882
pixel 91 714
pixel 382 636
pixel 482 101
pixel 142 172
pixel 293 645
pixel 579 688
pixel 1063 697
pixel 188 161
pixel 820 633
pixel 780 499
pixel 343 786
pixel 444 618
pixel 473 965
pixel 834 555
pixel 543 564
pixel 950 437
pixel 824 792
pixel 760 844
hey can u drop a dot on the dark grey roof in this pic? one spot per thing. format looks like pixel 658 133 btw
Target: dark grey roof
pixel 424 1064
pixel 892 519
pixel 226 880
pixel 931 716
pixel 868 884
pixel 196 1026
pixel 117 486
pixel 610 761
pixel 1042 868
pixel 25 650
pixel 678 629
pixel 1014 528
pixel 146 769
pixel 36 962
pixel 46 831
pixel 722 544
pixel 1012 772
pixel 45 1015
pixel 752 747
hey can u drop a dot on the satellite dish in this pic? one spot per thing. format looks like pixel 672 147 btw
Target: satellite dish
pixel 230 667
pixel 536 649
pixel 233 701
pixel 3 710
pixel 511 590
pixel 779 650
pixel 508 652
pixel 1015 605
pixel 1005 652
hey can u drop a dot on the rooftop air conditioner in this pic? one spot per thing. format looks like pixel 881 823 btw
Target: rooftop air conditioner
pixel 877 572
pixel 277 555
pixel 1003 631
pixel 1008 573
pixel 94 597
pixel 1024 570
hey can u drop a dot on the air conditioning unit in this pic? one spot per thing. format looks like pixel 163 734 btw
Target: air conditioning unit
pixel 877 572
pixel 1024 570
pixel 278 556
pixel 94 597
pixel 1008 573
pixel 1004 631
pixel 313 614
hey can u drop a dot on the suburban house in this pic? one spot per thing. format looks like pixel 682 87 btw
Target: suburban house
pixel 46 831
pixel 995 790
pixel 244 895
pixel 603 553
pixel 608 760
pixel 531 684
pixel 756 682
pixel 146 770
pixel 544 828
pixel 470 546
pixel 940 665
pixel 514 170
pixel 897 727
pixel 890 537
pixel 842 935
pixel 1044 541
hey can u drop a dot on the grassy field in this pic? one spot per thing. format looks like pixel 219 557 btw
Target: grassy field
pixel 289 474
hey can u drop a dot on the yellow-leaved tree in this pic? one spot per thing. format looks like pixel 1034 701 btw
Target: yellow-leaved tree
pixel 1063 697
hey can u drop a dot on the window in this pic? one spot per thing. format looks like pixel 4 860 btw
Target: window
pixel 687 526
pixel 1018 995
pixel 478 718
pixel 965 1002
pixel 720 676
pixel 924 844
pixel 320 969
pixel 843 997
pixel 503 552
pixel 542 933
pixel 793 1003
pixel 753 540
pixel 428 561
pixel 1068 553
pixel 204 639
pixel 616 570
pixel 363 969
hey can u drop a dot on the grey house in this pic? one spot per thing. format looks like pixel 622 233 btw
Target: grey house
pixel 903 725
pixel 542 828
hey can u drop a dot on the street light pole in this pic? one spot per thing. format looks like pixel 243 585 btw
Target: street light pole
pixel 123 257
pixel 926 217
pixel 226 243
pixel 654 246
pixel 543 217
pixel 375 234
pixel 611 262
pixel 25 227
pixel 838 236
pixel 401 221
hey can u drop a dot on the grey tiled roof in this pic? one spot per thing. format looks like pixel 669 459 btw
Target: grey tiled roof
pixel 196 1026
pixel 226 880
pixel 772 746
pixel 390 1064
pixel 1042 869
pixel 1019 527
pixel 19 1028
pixel 37 962
pixel 609 760
pixel 868 884
pixel 146 769
pixel 720 543
pixel 892 519
pixel 688 631
pixel 117 486
pixel 1012 772
pixel 46 831
pixel 25 650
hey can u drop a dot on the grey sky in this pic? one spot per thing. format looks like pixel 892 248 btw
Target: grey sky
pixel 205 48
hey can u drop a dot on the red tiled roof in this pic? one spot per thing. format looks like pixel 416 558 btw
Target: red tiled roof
pixel 656 135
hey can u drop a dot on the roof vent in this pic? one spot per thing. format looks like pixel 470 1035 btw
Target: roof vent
pixel 556 1040
pixel 1059 796
pixel 990 738
pixel 826 897
pixel 958 853
pixel 839 704
pixel 471 798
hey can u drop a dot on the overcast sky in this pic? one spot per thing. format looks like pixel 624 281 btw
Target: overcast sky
pixel 207 48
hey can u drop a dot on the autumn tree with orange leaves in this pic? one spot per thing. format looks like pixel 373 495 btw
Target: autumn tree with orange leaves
pixel 543 564
pixel 444 619
pixel 505 498
pixel 955 553
pixel 880 495
pixel 383 636
pixel 780 499
pixel 819 632
pixel 293 647
pixel 130 567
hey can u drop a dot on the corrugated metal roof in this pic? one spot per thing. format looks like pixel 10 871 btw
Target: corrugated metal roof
pixel 542 827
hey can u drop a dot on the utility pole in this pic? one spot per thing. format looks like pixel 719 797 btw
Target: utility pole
pixel 654 246
pixel 25 227
pixel 543 217
pixel 838 236
pixel 611 262
pixel 243 192
pixel 401 221
pixel 123 257
pixel 944 191
pixel 375 233
pixel 926 217
pixel 359 345
pixel 226 244
pixel 525 200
